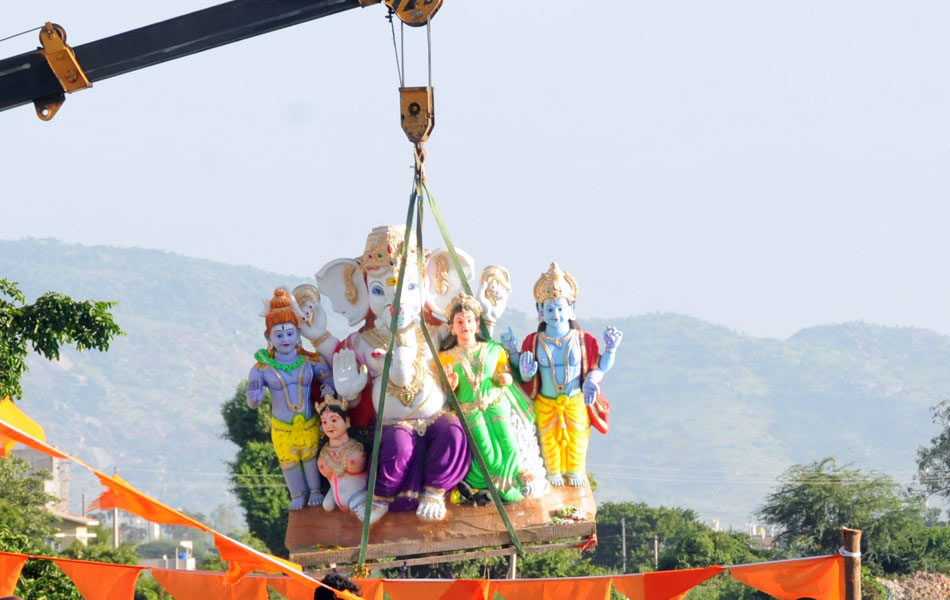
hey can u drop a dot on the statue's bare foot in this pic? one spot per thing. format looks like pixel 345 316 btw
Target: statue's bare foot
pixel 534 489
pixel 556 480
pixel 375 513
pixel 329 503
pixel 431 507
pixel 296 502
pixel 575 481
pixel 316 498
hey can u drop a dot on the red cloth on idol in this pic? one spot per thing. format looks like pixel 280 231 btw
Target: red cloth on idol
pixel 590 359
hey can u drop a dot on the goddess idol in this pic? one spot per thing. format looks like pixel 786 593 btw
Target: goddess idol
pixel 561 367
pixel 289 371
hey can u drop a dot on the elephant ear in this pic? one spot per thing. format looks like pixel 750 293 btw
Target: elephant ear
pixel 442 278
pixel 341 281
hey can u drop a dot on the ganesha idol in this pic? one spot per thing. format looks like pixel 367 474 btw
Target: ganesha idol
pixel 423 452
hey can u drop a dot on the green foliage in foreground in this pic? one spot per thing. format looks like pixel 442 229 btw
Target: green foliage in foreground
pixel 45 325
pixel 255 472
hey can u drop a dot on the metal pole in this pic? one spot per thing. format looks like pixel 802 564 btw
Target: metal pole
pixel 851 546
pixel 115 520
pixel 656 552
pixel 623 542
pixel 513 566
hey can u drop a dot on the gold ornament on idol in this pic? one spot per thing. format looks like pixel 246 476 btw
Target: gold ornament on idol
pixel 461 302
pixel 555 283
pixel 384 248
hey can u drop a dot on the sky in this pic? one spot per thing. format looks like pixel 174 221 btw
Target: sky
pixel 767 166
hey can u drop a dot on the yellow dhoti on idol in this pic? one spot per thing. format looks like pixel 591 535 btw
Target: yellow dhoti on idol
pixel 295 442
pixel 564 432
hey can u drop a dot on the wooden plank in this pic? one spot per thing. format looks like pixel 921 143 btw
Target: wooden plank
pixel 544 533
pixel 465 527
pixel 442 558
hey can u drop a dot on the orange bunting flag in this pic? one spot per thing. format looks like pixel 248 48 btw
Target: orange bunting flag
pixel 15 426
pixel 792 579
pixel 663 585
pixel 194 585
pixel 120 494
pixel 10 567
pixel 406 589
pixel 580 588
pixel 467 589
pixel 101 581
pixel 372 589
pixel 291 588
pixel 517 589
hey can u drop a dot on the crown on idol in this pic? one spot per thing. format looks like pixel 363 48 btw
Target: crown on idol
pixel 384 248
pixel 332 400
pixel 555 283
pixel 463 301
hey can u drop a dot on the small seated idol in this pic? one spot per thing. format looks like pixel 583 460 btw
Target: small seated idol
pixel 289 371
pixel 493 292
pixel 342 459
pixel 561 368
pixel 478 371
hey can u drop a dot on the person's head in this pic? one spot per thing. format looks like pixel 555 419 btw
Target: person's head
pixel 554 294
pixel 283 326
pixel 498 283
pixel 464 319
pixel 337 582
pixel 333 419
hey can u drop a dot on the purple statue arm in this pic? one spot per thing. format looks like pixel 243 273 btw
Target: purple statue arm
pixel 255 387
pixel 527 365
pixel 591 386
pixel 612 339
pixel 510 342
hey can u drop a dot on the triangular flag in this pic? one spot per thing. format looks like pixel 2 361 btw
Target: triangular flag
pixel 667 585
pixel 585 588
pixel 10 567
pixel 119 494
pixel 194 585
pixel 792 579
pixel 291 588
pixel 101 581
pixel 405 589
pixel 517 589
pixel 13 416
pixel 467 589
pixel 372 588
pixel 630 586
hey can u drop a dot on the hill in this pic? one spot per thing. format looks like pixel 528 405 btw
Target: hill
pixel 703 417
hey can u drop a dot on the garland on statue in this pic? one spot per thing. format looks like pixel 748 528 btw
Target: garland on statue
pixel 264 358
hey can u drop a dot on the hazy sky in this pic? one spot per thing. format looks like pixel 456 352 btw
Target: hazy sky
pixel 763 165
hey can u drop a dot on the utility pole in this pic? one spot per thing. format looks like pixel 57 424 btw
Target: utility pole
pixel 656 552
pixel 513 567
pixel 623 542
pixel 851 549
pixel 115 520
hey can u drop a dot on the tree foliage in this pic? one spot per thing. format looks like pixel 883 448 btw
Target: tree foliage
pixel 22 499
pixel 933 461
pixel 45 325
pixel 255 472
pixel 813 502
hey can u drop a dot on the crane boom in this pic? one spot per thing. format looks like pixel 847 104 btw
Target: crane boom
pixel 28 77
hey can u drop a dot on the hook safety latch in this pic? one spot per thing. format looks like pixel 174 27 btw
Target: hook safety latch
pixel 62 61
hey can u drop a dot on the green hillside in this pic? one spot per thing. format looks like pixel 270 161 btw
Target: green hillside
pixel 703 417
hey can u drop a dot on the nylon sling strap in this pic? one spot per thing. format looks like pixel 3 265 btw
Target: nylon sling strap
pixel 479 459
pixel 387 362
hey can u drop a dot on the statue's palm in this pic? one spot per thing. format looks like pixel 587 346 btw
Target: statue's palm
pixel 349 379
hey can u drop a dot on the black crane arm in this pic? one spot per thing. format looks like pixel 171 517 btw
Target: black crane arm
pixel 30 78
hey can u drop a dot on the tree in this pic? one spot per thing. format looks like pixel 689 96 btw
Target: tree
pixel 47 324
pixel 22 499
pixel 933 462
pixel 255 472
pixel 814 501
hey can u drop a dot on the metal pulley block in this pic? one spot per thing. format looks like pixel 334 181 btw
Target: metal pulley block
pixel 62 61
pixel 417 112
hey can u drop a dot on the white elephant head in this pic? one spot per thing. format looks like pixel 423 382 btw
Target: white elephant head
pixel 366 286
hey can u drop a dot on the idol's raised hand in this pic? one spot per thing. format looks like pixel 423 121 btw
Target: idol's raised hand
pixel 510 342
pixel 527 365
pixel 612 338
pixel 348 379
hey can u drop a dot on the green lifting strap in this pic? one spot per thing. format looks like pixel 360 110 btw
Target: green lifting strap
pixel 492 490
pixel 415 206
pixel 387 362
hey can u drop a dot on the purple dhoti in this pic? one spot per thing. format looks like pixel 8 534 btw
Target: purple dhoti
pixel 410 462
